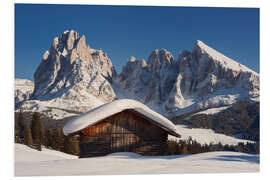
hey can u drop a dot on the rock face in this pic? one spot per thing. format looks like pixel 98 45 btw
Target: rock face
pixel 200 79
pixel 76 77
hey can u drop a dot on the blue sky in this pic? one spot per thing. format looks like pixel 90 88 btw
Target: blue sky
pixel 124 31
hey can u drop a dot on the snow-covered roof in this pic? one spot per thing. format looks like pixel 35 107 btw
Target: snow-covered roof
pixel 98 114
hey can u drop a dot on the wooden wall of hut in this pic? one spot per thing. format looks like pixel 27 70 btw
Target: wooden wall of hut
pixel 127 131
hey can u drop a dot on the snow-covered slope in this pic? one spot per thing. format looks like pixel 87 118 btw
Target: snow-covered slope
pixel 129 163
pixel 206 136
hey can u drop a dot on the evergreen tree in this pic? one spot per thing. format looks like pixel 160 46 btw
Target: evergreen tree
pixel 173 147
pixel 16 133
pixel 36 130
pixel 27 136
pixel 58 139
pixel 71 145
pixel 184 147
pixel 48 138
pixel 20 128
pixel 240 147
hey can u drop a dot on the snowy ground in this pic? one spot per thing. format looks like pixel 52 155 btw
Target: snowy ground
pixel 29 162
pixel 206 136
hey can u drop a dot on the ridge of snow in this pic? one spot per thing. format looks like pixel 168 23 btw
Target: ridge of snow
pixel 212 111
pixel 224 60
pixel 114 107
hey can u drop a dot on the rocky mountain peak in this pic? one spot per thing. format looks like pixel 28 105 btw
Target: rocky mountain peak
pixel 74 71
pixel 198 49
pixel 66 40
pixel 132 59
pixel 69 39
pixel 159 59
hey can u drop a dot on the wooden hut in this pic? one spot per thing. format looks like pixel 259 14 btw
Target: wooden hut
pixel 121 126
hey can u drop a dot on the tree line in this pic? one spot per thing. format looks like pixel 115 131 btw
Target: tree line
pixel 37 136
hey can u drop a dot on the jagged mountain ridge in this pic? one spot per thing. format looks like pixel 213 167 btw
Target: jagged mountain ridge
pixel 77 77
pixel 200 79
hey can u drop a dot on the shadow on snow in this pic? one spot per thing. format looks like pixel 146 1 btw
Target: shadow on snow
pixel 238 158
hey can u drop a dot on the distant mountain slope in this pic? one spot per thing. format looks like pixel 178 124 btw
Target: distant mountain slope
pixel 23 89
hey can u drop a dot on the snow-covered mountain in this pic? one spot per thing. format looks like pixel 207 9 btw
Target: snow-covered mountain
pixel 23 89
pixel 73 76
pixel 201 79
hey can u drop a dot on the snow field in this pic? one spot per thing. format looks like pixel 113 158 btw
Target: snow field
pixel 51 163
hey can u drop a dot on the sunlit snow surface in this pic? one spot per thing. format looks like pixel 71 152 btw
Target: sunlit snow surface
pixel 212 111
pixel 29 162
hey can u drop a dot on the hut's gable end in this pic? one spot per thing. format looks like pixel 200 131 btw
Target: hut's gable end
pixel 124 131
